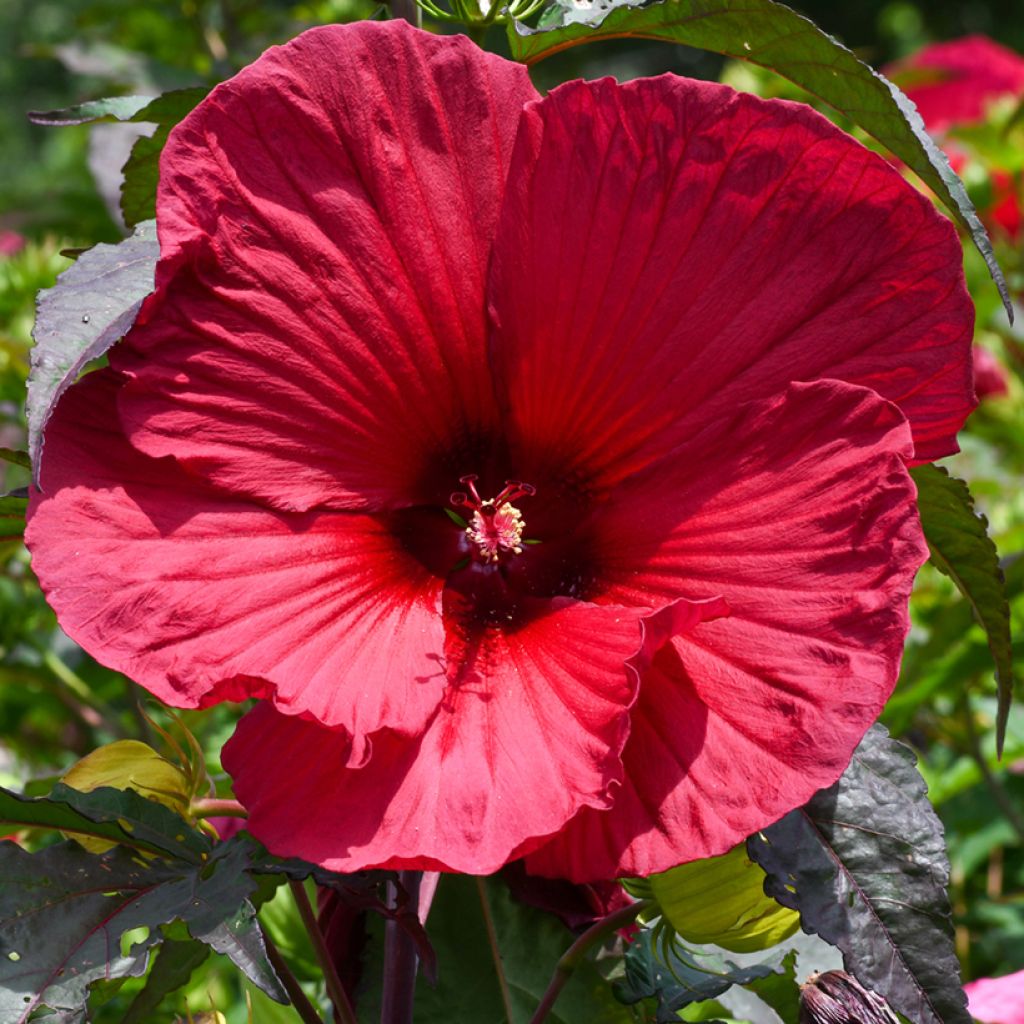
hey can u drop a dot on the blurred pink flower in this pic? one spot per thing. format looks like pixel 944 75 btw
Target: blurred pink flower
pixel 10 242
pixel 997 1000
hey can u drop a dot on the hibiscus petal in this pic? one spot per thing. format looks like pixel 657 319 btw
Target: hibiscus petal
pixel 200 596
pixel 325 222
pixel 669 249
pixel 529 731
pixel 800 512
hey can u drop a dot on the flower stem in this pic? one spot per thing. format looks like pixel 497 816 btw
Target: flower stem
pixel 82 692
pixel 209 807
pixel 400 959
pixel 577 952
pixel 407 9
pixel 335 989
pixel 492 938
pixel 478 33
pixel 303 1007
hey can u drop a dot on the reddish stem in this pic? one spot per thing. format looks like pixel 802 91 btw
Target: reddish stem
pixel 400 959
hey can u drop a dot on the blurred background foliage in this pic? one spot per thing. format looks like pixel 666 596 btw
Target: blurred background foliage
pixel 58 189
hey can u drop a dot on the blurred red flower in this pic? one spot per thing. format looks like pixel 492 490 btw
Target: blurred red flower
pixel 991 379
pixel 955 83
pixel 703 333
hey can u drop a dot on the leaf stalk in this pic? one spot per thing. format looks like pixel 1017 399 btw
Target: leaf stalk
pixel 578 951
pixel 335 989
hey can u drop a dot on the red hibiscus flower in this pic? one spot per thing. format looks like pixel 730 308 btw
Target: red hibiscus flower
pixel 956 83
pixel 701 333
pixel 990 377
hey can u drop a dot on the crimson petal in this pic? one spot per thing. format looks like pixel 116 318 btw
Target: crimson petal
pixel 201 596
pixel 529 731
pixel 325 223
pixel 800 512
pixel 669 249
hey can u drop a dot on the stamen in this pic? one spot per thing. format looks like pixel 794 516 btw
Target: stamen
pixel 497 526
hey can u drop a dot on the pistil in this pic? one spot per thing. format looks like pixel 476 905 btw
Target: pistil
pixel 496 528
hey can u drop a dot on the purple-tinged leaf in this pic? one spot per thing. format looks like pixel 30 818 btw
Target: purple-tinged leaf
pixel 864 862
pixel 66 912
pixel 92 305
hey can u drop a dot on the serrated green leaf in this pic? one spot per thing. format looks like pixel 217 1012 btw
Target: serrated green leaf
pixel 141 170
pixel 774 36
pixel 864 862
pixel 65 911
pixel 129 764
pixel 112 108
pixel 961 549
pixel 140 818
pixel 92 305
pixel 687 976
pixel 119 815
pixel 175 962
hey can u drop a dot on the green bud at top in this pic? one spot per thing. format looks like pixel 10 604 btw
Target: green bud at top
pixel 719 900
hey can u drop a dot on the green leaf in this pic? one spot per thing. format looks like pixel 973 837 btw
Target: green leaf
pixel 776 37
pixel 141 171
pixel 865 864
pixel 120 815
pixel 12 515
pixel 780 991
pixel 961 549
pixel 113 108
pixel 174 965
pixel 530 943
pixel 686 976
pixel 92 305
pixel 16 458
pixel 71 918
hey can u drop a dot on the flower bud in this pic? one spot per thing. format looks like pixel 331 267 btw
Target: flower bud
pixel 719 900
pixel 128 764
pixel 836 997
